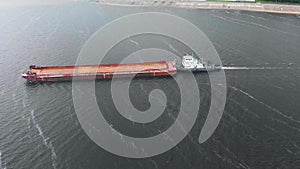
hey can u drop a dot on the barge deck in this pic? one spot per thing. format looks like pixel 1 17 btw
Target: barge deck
pixel 106 71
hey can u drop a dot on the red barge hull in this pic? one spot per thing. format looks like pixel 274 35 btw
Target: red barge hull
pixel 90 72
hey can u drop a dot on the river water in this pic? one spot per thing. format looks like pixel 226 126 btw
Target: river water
pixel 260 127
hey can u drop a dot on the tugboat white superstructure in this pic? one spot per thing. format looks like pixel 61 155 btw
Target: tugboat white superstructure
pixel 190 63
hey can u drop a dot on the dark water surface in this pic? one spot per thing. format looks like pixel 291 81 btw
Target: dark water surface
pixel 260 127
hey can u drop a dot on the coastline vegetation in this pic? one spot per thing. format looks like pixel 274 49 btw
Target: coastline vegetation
pixel 261 1
pixel 278 1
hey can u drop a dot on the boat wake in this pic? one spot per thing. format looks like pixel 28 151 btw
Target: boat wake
pixel 254 68
pixel 1 166
pixel 46 141
pixel 266 105
pixel 0 160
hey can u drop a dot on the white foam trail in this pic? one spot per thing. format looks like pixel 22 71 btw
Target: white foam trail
pixel 45 141
pixel 138 45
pixel 266 105
pixel 225 19
pixel 1 160
pixel 258 17
pixel 2 165
pixel 28 123
pixel 30 22
pixel 57 25
pixel 253 68
pixel 171 47
pixel 283 136
pixel 134 42
pixel 235 68
pixel 154 163
pixel 242 22
pixel 53 155
pixel 23 102
pixel 289 151
pixel 235 161
pixel 263 26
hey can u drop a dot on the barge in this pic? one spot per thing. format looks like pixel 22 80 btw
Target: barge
pixel 90 72
pixel 107 71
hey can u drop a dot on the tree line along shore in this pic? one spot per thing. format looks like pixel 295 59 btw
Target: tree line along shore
pixel 293 8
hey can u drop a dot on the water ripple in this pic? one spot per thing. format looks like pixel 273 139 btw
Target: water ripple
pixel 266 105
pixel 46 141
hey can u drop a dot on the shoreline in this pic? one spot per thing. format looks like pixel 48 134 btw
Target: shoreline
pixel 255 7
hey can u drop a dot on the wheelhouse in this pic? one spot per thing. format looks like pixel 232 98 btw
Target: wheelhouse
pixel 191 62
